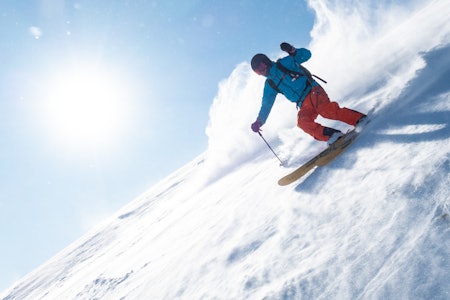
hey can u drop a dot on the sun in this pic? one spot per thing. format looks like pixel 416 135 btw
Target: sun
pixel 85 108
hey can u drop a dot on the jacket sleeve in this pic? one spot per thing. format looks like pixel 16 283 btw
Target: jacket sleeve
pixel 302 55
pixel 267 102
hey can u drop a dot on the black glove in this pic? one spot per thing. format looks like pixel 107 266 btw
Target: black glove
pixel 288 48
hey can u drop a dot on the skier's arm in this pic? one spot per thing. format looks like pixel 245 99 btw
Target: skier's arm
pixel 267 102
pixel 300 54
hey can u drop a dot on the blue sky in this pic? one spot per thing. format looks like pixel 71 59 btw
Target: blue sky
pixel 99 100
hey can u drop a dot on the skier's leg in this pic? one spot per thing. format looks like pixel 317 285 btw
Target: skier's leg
pixel 306 121
pixel 331 110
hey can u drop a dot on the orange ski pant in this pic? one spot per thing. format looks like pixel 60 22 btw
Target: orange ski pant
pixel 317 103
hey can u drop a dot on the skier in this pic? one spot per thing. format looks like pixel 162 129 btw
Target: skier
pixel 288 77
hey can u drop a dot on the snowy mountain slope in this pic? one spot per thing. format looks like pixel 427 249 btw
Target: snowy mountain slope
pixel 375 223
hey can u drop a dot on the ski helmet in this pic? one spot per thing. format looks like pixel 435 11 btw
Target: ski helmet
pixel 260 58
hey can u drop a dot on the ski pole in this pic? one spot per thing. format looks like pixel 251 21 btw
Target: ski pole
pixel 281 162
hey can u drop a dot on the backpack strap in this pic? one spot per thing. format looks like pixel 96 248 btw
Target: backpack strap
pixel 274 85
pixel 294 75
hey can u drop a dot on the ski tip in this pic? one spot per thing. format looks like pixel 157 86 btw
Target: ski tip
pixel 283 183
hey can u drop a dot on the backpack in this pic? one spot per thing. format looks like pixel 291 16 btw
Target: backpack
pixel 294 75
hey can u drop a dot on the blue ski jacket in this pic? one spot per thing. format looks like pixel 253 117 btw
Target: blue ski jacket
pixel 294 90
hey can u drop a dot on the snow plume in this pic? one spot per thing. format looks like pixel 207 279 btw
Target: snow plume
pixel 229 126
pixel 360 46
pixel 367 50
pixel 231 141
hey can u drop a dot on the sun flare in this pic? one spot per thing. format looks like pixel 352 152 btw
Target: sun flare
pixel 85 108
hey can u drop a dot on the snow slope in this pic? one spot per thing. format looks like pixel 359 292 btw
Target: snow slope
pixel 374 224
